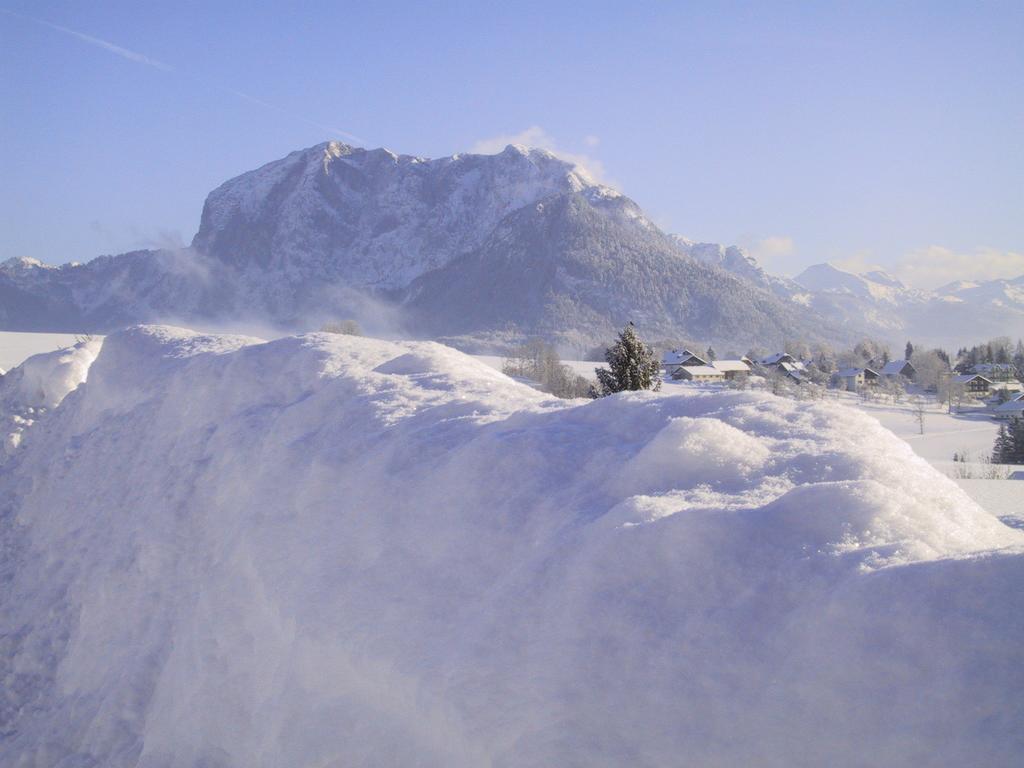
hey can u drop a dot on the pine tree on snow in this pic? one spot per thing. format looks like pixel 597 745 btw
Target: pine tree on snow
pixel 1003 446
pixel 633 366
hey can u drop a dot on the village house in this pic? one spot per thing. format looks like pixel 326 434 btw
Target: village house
pixel 732 370
pixel 898 369
pixel 1011 409
pixel 975 384
pixel 852 379
pixel 684 365
pixel 701 373
pixel 996 371
pixel 673 360
pixel 784 364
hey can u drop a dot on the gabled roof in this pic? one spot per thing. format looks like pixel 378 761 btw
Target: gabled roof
pixel 967 378
pixel 677 357
pixel 777 358
pixel 895 367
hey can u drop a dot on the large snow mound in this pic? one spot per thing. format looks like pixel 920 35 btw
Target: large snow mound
pixel 336 551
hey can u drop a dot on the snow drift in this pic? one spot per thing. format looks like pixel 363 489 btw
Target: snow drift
pixel 40 382
pixel 335 551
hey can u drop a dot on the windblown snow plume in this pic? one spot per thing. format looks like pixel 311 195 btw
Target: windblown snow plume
pixel 335 551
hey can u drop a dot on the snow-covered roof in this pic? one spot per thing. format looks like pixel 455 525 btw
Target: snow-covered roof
pixel 847 373
pixel 895 367
pixel 678 357
pixel 993 367
pixel 730 365
pixel 698 370
pixel 967 378
pixel 774 359
pixel 1010 406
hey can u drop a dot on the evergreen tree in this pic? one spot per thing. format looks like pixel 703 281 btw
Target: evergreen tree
pixel 1015 445
pixel 1018 358
pixel 909 352
pixel 710 354
pixel 633 366
pixel 1003 446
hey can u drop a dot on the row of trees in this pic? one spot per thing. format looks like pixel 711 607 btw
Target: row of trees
pixel 539 361
pixel 998 351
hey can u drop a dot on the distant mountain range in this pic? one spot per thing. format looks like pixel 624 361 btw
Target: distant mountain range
pixel 878 304
pixel 475 249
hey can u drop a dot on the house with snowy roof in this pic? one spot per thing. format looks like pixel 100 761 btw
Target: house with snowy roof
pixel 732 370
pixel 974 383
pixel 898 369
pixel 671 361
pixel 774 360
pixel 852 379
pixel 1011 409
pixel 707 374
pixel 996 371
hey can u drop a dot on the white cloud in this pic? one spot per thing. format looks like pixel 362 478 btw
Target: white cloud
pixel 536 137
pixel 936 265
pixel 774 252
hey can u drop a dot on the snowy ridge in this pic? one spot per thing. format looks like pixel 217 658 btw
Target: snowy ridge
pixel 337 550
pixel 393 217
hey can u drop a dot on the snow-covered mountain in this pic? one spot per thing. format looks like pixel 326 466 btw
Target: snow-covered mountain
pixel 468 245
pixel 878 304
pixel 950 316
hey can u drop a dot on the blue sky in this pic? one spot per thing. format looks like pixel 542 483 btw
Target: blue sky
pixel 864 133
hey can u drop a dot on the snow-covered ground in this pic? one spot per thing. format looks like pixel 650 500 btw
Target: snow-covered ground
pixel 331 550
pixel 969 435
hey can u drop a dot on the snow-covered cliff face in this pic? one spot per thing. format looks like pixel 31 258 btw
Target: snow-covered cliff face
pixel 374 218
pixel 330 550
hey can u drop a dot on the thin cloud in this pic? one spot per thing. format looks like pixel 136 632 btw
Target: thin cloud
pixel 149 61
pixel 935 265
pixel 536 137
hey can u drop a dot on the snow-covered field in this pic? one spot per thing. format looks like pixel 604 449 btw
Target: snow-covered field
pixel 15 347
pixel 330 550
pixel 970 435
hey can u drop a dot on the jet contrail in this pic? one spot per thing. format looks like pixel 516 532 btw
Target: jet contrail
pixel 140 58
pixel 117 50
